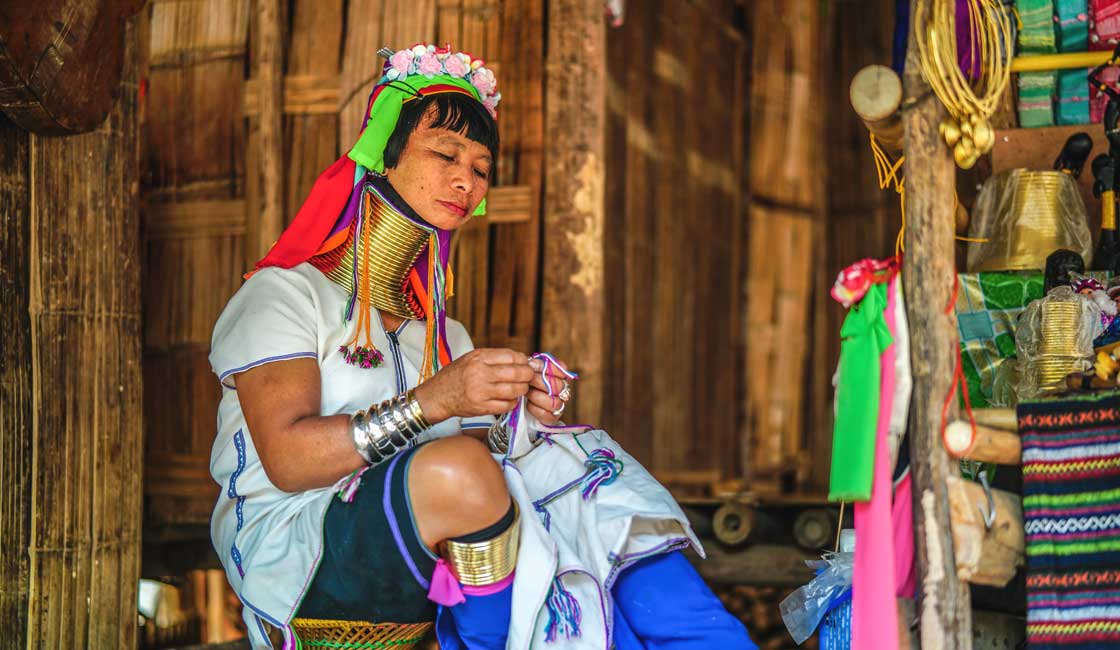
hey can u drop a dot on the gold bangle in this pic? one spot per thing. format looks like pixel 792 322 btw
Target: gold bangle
pixel 477 564
pixel 415 410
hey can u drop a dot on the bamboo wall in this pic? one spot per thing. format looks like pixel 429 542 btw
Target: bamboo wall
pixel 70 381
pixel 221 161
pixel 674 235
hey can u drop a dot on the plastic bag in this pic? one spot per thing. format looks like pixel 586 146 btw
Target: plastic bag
pixel 1025 215
pixel 803 610
pixel 1054 338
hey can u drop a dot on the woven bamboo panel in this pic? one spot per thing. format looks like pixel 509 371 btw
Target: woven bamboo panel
pixel 675 197
pixel 70 498
pixel 195 221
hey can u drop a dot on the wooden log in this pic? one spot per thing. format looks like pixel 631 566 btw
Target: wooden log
pixel 71 541
pixel 757 564
pixel 735 523
pixel 987 445
pixel 573 305
pixel 928 275
pixel 815 528
pixel 61 61
pixel 997 418
pixel 876 93
pixel 269 223
pixel 985 556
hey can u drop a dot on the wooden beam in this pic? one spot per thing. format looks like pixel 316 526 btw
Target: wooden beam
pixel 303 95
pixel 876 93
pixel 997 418
pixel 987 445
pixel 270 138
pixel 189 219
pixel 573 304
pixel 929 275
pixel 510 204
pixel 757 565
pixel 985 555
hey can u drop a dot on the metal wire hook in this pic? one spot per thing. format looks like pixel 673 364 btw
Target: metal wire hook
pixel 990 515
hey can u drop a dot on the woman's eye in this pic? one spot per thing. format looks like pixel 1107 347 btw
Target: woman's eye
pixel 481 174
pixel 444 156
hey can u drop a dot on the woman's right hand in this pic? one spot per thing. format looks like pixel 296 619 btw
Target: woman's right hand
pixel 485 381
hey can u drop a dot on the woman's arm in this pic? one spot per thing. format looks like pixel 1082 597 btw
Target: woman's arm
pixel 301 449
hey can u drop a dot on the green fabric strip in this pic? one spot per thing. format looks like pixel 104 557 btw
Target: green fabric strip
pixel 863 337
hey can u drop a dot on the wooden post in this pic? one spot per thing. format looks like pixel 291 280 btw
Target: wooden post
pixel 988 445
pixel 270 137
pixel 929 275
pixel 70 382
pixel 573 306
pixel 985 555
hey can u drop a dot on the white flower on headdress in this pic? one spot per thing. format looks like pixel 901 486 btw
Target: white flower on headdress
pixel 419 50
pixel 430 65
pixel 483 80
pixel 399 64
pixel 457 65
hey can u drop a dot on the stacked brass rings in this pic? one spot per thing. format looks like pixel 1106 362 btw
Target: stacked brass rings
pixel 477 564
pixel 1058 356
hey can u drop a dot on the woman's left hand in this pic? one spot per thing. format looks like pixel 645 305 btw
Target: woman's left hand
pixel 548 409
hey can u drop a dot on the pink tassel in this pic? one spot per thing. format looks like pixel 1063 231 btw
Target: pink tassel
pixel 445 589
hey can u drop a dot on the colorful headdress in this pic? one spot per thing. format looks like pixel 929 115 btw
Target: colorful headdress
pixel 330 218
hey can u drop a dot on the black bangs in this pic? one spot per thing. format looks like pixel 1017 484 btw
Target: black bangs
pixel 452 111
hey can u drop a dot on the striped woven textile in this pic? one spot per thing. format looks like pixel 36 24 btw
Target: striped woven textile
pixel 1071 510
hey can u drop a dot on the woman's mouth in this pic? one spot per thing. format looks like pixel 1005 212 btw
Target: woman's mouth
pixel 454 208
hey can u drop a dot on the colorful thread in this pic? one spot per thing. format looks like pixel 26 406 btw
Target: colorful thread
pixel 564 613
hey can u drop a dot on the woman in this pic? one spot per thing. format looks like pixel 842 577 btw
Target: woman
pixel 347 310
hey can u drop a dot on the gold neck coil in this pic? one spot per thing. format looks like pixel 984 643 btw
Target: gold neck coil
pixel 478 564
pixel 387 244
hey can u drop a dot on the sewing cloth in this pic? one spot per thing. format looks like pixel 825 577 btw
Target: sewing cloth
pixel 271 541
pixel 863 337
pixel 1071 510
pixel 874 613
pixel 572 536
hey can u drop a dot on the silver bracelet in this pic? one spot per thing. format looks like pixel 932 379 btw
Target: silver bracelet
pixel 498 437
pixel 388 428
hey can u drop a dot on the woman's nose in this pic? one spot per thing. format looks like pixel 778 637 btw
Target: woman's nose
pixel 462 179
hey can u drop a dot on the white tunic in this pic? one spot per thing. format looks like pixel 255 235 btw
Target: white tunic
pixel 270 541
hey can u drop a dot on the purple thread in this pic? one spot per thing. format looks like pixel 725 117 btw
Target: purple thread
pixel 602 469
pixel 564 613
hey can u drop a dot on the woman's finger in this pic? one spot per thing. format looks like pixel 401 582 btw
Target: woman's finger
pixel 542 416
pixel 543 400
pixel 503 356
pixel 510 373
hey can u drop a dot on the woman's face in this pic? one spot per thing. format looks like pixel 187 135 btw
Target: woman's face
pixel 442 175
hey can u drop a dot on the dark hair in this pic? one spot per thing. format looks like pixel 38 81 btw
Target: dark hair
pixel 453 111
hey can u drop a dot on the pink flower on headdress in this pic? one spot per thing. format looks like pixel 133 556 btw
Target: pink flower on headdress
pixel 399 64
pixel 491 104
pixel 483 79
pixel 430 64
pixel 456 66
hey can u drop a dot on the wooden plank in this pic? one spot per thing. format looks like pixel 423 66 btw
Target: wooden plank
pixel 85 330
pixel 265 227
pixel 573 303
pixel 303 95
pixel 929 275
pixel 510 204
pixel 16 412
pixel 311 85
pixel 190 219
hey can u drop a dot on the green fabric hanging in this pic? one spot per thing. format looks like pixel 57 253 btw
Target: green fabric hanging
pixel 863 338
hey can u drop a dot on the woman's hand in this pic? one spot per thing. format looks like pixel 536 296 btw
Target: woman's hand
pixel 481 382
pixel 547 409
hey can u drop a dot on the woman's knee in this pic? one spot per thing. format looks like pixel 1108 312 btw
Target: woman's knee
pixel 456 488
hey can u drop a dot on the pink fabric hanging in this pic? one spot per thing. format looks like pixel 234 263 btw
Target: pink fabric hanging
pixel 905 576
pixel 874 609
